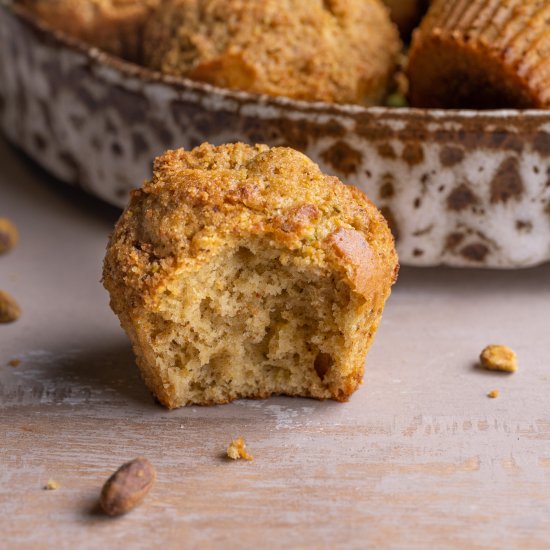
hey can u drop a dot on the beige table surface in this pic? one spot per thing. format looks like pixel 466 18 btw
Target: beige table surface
pixel 419 458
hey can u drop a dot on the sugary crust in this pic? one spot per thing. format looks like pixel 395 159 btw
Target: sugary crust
pixel 341 51
pixel 482 54
pixel 201 202
pixel 115 26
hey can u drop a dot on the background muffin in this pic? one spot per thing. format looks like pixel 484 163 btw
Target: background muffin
pixel 334 50
pixel 482 54
pixel 243 271
pixel 115 26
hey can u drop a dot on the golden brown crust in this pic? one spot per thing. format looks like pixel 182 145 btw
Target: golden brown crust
pixel 342 51
pixel 202 202
pixel 352 247
pixel 115 26
pixel 482 54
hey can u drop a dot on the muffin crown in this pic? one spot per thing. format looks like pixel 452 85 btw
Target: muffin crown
pixel 341 51
pixel 201 201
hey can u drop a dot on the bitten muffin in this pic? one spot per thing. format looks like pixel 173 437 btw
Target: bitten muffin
pixel 482 54
pixel 242 271
pixel 115 26
pixel 342 51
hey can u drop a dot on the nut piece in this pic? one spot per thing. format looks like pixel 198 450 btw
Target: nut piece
pixel 8 235
pixel 237 450
pixel 493 394
pixel 127 487
pixel 500 358
pixel 52 485
pixel 9 308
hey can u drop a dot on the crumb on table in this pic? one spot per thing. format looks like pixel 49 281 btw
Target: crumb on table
pixel 499 358
pixel 52 485
pixel 493 394
pixel 14 362
pixel 237 450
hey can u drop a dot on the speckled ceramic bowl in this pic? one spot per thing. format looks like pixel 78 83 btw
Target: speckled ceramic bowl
pixel 460 188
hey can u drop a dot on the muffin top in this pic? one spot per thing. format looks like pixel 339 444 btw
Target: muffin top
pixel 115 26
pixel 202 201
pixel 333 50
pixel 482 54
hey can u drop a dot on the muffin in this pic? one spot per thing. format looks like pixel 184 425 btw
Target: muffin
pixel 482 54
pixel 339 51
pixel 242 271
pixel 115 26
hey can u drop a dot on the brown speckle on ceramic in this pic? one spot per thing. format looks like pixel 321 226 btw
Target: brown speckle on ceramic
pixel 413 153
pixel 386 151
pixel 507 183
pixel 525 226
pixel 387 190
pixel 449 156
pixel 343 158
pixel 459 188
pixel 453 240
pixel 461 197
pixel 541 143
pixel 476 252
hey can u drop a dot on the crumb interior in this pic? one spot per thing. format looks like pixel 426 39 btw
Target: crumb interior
pixel 254 321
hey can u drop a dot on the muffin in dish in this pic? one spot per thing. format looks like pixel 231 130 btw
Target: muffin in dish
pixel 341 51
pixel 242 271
pixel 482 54
pixel 115 26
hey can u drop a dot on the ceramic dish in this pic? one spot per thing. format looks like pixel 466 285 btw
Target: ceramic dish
pixel 459 188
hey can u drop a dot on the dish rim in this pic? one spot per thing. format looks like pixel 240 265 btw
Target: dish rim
pixel 142 72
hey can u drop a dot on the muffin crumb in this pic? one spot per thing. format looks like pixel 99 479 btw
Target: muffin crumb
pixel 237 450
pixel 493 394
pixel 52 485
pixel 14 362
pixel 499 358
